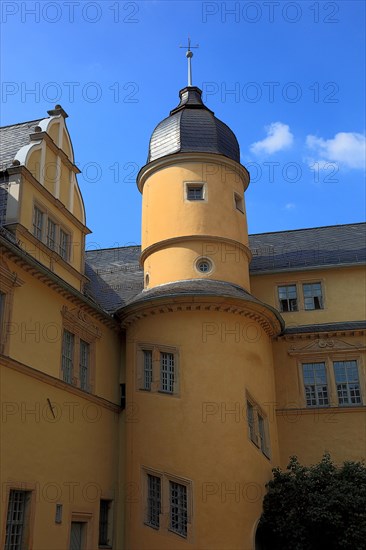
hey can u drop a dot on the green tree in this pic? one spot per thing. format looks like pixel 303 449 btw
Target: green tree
pixel 318 507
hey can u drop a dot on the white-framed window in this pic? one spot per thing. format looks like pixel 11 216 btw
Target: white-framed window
pixel 287 297
pixel 257 426
pixel 153 510
pixel 17 522
pixel 178 508
pixel 148 369
pixel 347 382
pixel 316 385
pixel 38 222
pixel 313 296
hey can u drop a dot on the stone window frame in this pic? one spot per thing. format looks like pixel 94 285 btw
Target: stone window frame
pixel 299 284
pixel 195 184
pixel 80 325
pixel 328 357
pixel 155 386
pixel 47 214
pixel 165 505
pixel 254 431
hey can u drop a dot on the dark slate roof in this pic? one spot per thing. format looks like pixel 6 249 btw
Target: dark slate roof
pixel 307 248
pixel 327 327
pixel 190 128
pixel 12 138
pixel 116 276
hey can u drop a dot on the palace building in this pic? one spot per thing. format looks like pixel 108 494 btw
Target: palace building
pixel 147 393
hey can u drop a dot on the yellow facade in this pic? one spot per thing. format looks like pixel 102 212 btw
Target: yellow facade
pixel 146 410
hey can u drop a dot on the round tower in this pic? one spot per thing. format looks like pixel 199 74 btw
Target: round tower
pixel 201 436
pixel 193 211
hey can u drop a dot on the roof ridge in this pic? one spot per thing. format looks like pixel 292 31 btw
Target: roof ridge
pixel 21 123
pixel 306 228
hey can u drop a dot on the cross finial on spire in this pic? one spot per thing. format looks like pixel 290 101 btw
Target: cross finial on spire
pixel 189 55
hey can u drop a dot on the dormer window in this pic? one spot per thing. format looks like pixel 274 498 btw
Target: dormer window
pixel 38 220
pixel 49 231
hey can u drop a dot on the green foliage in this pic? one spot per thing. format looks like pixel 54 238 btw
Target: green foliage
pixel 318 507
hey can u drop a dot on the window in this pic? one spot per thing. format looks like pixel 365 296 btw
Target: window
pixel 84 365
pixel 64 244
pixel 17 522
pixel 315 381
pixel 178 508
pixel 250 416
pixel 49 231
pixel 287 296
pixel 67 356
pixel 204 265
pixel 167 372
pixel 104 523
pixel 257 426
pixel 38 216
pixel 347 382
pixel 157 369
pixel 51 234
pixel 313 298
pixel 195 192
pixel 153 500
pixel 177 495
pixel 239 202
pixel 147 369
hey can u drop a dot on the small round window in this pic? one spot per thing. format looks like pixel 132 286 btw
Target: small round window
pixel 204 265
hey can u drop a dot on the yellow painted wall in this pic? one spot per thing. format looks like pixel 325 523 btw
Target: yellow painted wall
pixel 343 288
pixel 194 435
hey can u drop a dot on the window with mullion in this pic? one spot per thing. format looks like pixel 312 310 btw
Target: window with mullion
pixel 84 365
pixel 315 382
pixel 153 500
pixel 38 217
pixel 347 382
pixel 178 508
pixel 287 296
pixel 64 248
pixel 195 192
pixel 251 422
pixel 67 356
pixel 51 234
pixel 147 373
pixel 313 297
pixel 16 520
pixel 167 372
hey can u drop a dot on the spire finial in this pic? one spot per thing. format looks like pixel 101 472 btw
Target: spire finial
pixel 189 55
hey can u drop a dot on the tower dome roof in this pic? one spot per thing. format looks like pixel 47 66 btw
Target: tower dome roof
pixel 192 128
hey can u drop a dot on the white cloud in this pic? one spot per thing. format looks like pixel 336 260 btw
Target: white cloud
pixel 290 206
pixel 278 137
pixel 347 148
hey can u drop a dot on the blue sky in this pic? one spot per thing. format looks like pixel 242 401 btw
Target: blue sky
pixel 287 77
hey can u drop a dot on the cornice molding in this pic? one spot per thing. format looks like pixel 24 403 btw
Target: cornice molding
pixel 23 171
pixel 322 335
pixel 211 238
pixel 161 305
pixel 47 138
pixel 79 319
pixel 180 158
pixel 8 362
